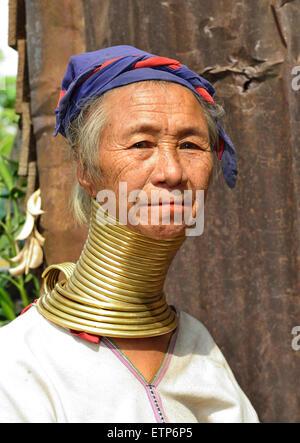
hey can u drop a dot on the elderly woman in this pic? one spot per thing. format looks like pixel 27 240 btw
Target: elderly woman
pixel 102 344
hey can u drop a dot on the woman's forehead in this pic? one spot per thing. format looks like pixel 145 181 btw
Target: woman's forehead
pixel 147 96
pixel 150 107
pixel 155 111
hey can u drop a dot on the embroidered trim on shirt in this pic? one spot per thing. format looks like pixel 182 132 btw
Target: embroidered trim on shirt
pixel 150 388
pixel 154 393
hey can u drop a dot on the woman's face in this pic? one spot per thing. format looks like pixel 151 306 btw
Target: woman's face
pixel 155 139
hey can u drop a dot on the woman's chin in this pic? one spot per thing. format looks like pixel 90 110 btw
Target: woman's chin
pixel 158 232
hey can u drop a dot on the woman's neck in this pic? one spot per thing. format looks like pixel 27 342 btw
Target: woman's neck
pixel 116 287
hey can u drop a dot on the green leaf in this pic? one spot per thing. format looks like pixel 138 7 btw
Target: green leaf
pixel 17 193
pixel 6 142
pixel 6 174
pixel 8 95
pixel 7 305
pixel 5 255
pixel 4 295
pixel 36 285
pixel 4 244
pixel 28 277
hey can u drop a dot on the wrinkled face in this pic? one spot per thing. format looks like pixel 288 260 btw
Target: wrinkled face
pixel 156 139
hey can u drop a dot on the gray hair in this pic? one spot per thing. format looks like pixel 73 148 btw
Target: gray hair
pixel 84 135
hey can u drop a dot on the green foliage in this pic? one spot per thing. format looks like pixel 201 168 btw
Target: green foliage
pixel 15 292
pixel 8 118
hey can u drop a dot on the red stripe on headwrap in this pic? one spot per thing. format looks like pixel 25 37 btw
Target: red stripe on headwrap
pixel 157 61
pixel 61 94
pixel 108 62
pixel 220 148
pixel 203 92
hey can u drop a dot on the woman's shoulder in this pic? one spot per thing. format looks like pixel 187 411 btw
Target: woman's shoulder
pixel 195 334
pixel 195 338
pixel 209 370
pixel 22 325
pixel 27 332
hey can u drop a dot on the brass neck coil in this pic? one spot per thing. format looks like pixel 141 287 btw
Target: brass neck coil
pixel 116 287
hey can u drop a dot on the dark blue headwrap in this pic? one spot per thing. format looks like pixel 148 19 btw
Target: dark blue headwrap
pixel 93 73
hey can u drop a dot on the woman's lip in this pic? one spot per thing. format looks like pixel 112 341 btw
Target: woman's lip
pixel 166 204
pixel 170 207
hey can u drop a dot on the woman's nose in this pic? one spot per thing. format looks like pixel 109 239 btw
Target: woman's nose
pixel 168 169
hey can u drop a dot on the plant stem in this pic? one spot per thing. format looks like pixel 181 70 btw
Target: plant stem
pixel 10 238
pixel 16 210
pixel 8 215
pixel 22 291
pixel 7 277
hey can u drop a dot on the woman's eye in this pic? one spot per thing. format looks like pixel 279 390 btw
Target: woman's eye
pixel 141 145
pixel 189 145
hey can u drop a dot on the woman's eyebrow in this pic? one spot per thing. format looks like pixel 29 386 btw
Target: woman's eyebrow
pixel 139 128
pixel 193 130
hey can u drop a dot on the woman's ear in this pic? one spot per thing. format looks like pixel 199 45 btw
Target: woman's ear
pixel 86 183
